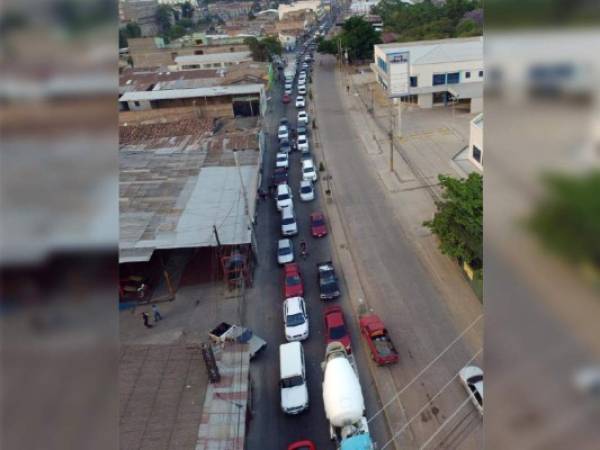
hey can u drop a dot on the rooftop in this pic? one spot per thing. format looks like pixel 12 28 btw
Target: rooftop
pixel 210 57
pixel 214 91
pixel 438 51
pixel 175 188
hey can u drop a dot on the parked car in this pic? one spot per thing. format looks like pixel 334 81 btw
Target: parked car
pixel 284 121
pixel 302 143
pixel 295 319
pixel 286 98
pixel 302 445
pixel 289 226
pixel 302 130
pixel 335 327
pixel 282 160
pixel 282 132
pixel 288 91
pixel 318 228
pixel 288 86
pixel 293 285
pixel 302 90
pixel 280 175
pixel 302 116
pixel 305 157
pixel 285 251
pixel 308 170
pixel 307 191
pixel 284 196
pixel 300 103
pixel 472 379
pixel 378 340
pixel 284 147
pixel 328 282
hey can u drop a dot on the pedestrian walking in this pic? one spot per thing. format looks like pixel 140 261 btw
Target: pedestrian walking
pixel 146 318
pixel 156 313
pixel 348 89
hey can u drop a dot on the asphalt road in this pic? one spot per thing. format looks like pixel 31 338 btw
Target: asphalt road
pixel 398 287
pixel 269 427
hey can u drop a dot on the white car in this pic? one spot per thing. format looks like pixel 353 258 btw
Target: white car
pixel 302 90
pixel 289 226
pixel 285 251
pixel 302 117
pixel 307 191
pixel 295 319
pixel 282 132
pixel 288 85
pixel 302 143
pixel 300 103
pixel 288 91
pixel 284 196
pixel 472 379
pixel 308 170
pixel 281 160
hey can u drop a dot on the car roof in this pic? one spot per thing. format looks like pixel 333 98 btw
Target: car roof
pixel 290 359
pixel 293 304
pixel 282 188
pixel 305 183
pixel 291 268
pixel 284 243
pixel 334 316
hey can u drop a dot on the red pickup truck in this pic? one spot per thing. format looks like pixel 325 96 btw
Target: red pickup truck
pixel 381 346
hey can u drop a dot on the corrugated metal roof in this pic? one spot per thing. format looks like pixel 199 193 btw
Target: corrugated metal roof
pixel 212 57
pixel 192 93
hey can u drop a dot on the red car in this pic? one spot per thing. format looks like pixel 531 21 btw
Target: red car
pixel 302 445
pixel 335 327
pixel 286 98
pixel 318 228
pixel 292 281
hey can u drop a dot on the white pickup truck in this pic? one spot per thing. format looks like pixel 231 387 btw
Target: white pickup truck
pixel 234 333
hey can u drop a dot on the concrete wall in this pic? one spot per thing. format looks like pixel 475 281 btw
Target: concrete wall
pixel 425 72
pixel 476 105
pixel 476 139
pixel 425 101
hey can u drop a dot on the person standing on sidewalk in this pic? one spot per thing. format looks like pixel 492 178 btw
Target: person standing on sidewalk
pixel 348 89
pixel 146 319
pixel 156 313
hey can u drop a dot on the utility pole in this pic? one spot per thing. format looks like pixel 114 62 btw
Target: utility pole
pixel 246 207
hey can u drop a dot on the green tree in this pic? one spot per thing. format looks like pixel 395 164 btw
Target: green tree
pixel 164 16
pixel 263 50
pixel 458 222
pixel 131 30
pixel 176 31
pixel 187 10
pixel 358 38
pixel 567 219
pixel 468 28
pixel 327 46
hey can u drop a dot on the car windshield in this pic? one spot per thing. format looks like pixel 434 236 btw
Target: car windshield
pixel 292 382
pixel 282 197
pixel 475 379
pixel 294 320
pixel 292 280
pixel 285 251
pixel 302 139
pixel 307 170
pixel 337 332
pixel 306 189
pixel 327 277
pixel 288 221
pixel 285 148
pixel 281 158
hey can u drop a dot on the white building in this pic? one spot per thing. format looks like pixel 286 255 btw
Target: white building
pixel 362 7
pixel 210 61
pixel 313 5
pixel 432 72
pixel 476 141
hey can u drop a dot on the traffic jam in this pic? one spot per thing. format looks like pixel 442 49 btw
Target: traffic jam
pixel 342 394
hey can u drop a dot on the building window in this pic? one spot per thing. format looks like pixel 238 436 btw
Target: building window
pixel 453 78
pixel 382 64
pixel 467 74
pixel 198 52
pixel 413 82
pixel 481 74
pixel 477 154
pixel 136 103
pixel 439 78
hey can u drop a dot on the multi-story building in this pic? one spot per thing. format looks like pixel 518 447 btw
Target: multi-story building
pixel 358 7
pixel 142 12
pixel 230 10
pixel 312 5
pixel 432 72
pixel 211 60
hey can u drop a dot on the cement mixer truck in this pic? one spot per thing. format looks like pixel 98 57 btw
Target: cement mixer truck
pixel 343 400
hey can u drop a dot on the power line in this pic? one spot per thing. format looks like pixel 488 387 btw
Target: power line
pixel 390 401
pixel 436 432
pixel 418 413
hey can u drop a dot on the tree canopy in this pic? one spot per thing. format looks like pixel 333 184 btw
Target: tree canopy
pixel 458 222
pixel 357 38
pixel 131 30
pixel 428 20
pixel 567 219
pixel 263 49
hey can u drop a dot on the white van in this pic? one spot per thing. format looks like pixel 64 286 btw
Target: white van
pixel 292 378
pixel 284 196
pixel 309 172
pixel 289 227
